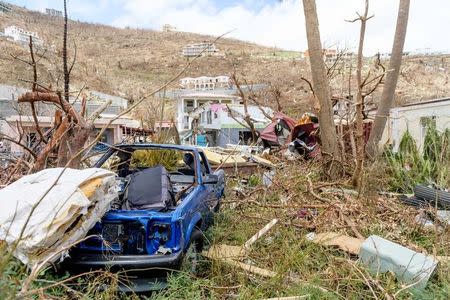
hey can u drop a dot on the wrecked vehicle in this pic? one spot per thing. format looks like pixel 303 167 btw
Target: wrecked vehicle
pixel 167 197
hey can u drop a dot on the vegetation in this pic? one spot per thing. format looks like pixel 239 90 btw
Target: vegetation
pixel 151 158
pixel 411 166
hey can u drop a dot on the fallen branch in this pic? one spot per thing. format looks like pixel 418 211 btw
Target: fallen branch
pixel 311 191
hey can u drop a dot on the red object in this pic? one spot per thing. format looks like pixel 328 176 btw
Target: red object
pixel 269 134
pixel 367 127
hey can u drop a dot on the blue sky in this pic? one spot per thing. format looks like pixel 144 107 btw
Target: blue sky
pixel 270 22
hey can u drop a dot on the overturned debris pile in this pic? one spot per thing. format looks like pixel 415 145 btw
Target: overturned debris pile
pixel 46 213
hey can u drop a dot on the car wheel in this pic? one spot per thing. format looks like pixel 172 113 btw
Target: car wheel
pixel 193 252
pixel 217 207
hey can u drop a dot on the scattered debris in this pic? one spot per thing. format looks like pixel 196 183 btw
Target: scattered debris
pixel 231 254
pixel 381 255
pixel 260 233
pixel 423 220
pixel 425 196
pixel 267 178
pixel 344 242
pixel 443 216
pixel 234 161
pixel 277 133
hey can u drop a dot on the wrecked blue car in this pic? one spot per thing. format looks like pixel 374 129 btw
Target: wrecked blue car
pixel 168 195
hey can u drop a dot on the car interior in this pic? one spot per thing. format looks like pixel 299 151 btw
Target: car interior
pixel 152 179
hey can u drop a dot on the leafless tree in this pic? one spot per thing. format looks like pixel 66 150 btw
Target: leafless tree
pixel 357 175
pixel 246 116
pixel 387 97
pixel 71 129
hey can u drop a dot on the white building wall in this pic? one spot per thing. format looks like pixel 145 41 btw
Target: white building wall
pixel 205 83
pixel 182 125
pixel 20 35
pixel 408 118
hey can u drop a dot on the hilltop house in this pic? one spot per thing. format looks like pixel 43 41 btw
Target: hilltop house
pixel 22 36
pixel 328 54
pixel 4 7
pixel 168 28
pixel 14 115
pixel 188 102
pixel 53 12
pixel 416 118
pixel 203 49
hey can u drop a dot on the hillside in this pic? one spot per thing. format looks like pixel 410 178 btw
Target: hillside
pixel 130 62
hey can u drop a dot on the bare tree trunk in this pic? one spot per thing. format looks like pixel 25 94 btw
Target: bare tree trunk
pixel 66 69
pixel 321 88
pixel 340 133
pixel 246 116
pixel 387 97
pixel 357 175
pixel 351 137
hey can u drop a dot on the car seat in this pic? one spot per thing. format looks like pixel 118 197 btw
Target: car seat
pixel 149 189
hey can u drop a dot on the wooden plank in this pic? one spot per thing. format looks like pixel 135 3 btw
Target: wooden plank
pixel 344 242
pixel 260 233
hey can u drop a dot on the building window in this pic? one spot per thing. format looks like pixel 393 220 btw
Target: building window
pixel 202 117
pixel 426 123
pixel 209 117
pixel 245 137
pixel 188 105
pixel 186 122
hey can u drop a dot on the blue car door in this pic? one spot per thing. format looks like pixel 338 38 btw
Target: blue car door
pixel 210 200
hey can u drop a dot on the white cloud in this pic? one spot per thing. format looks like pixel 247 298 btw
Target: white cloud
pixel 282 24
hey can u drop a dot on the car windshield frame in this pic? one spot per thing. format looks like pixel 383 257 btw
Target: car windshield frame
pixel 133 147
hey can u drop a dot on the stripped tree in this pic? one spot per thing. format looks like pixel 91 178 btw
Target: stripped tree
pixel 71 129
pixel 357 175
pixel 247 120
pixel 387 97
pixel 328 137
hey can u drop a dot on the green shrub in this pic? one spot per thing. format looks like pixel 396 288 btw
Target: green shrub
pixel 151 158
pixel 409 166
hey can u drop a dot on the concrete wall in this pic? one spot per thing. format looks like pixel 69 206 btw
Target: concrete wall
pixel 229 136
pixel 408 118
